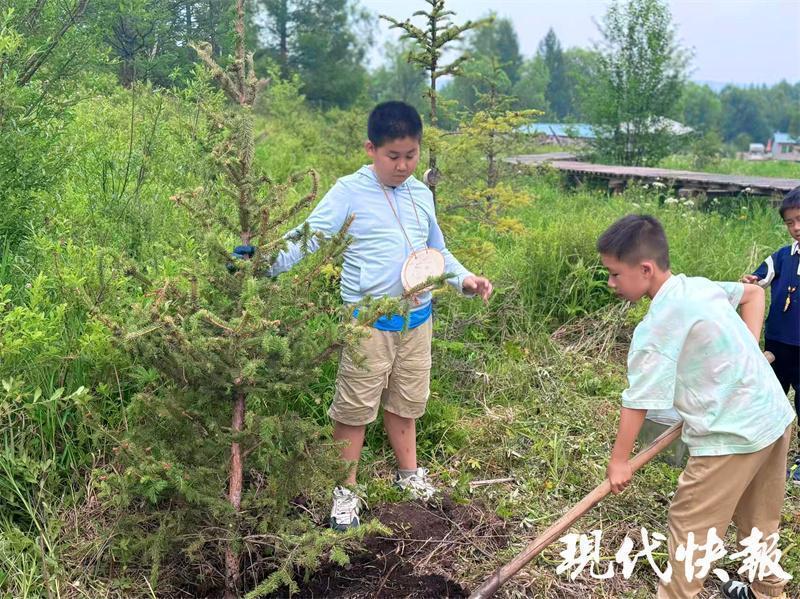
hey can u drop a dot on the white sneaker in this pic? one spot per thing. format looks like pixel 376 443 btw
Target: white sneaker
pixel 733 589
pixel 346 506
pixel 417 484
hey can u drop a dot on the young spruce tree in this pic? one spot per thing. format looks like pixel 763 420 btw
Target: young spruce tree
pixel 213 459
pixel 486 137
pixel 430 46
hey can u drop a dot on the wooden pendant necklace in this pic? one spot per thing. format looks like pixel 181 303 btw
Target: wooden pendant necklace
pixel 422 264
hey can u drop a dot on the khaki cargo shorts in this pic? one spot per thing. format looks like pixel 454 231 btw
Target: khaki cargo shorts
pixel 395 373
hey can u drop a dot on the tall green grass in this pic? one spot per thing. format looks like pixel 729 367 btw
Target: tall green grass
pixel 503 396
pixel 731 166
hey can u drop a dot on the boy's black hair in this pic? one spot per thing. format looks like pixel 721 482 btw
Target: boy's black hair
pixel 790 201
pixel 393 120
pixel 634 238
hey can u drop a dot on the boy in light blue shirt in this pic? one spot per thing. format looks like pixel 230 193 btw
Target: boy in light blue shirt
pixel 394 216
pixel 694 353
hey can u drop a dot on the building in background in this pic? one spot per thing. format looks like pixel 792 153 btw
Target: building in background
pixel 564 134
pixel 783 146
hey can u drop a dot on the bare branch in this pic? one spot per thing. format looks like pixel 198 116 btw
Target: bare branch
pixel 35 62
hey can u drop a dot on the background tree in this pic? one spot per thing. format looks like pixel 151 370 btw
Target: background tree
pixel 494 43
pixel 783 107
pixel 494 127
pixel 149 39
pixel 582 67
pixel 398 79
pixel 531 89
pixel 323 41
pixel 706 149
pixel 44 46
pixel 430 45
pixel 497 39
pixel 138 37
pixel 700 108
pixel 39 34
pixel 480 188
pixel 558 89
pixel 639 79
pixel 743 116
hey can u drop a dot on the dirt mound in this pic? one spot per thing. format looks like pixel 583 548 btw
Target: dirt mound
pixel 415 560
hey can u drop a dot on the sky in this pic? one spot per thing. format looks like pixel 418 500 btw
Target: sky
pixel 733 41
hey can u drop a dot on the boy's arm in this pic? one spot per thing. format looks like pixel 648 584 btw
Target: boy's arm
pixel 764 274
pixel 651 386
pixel 464 281
pixel 619 470
pixel 751 309
pixel 327 218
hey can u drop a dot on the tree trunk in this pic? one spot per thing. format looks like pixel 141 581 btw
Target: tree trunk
pixel 211 29
pixel 432 150
pixel 434 120
pixel 492 173
pixel 284 38
pixel 232 573
pixel 127 72
pixel 188 22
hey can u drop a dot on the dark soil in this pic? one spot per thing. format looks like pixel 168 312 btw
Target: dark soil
pixel 415 560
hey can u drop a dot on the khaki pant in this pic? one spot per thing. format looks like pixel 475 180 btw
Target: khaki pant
pixel 747 489
pixel 395 373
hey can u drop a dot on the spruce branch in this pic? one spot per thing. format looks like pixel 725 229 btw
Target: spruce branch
pixel 302 203
pixel 133 272
pixel 204 51
pixel 134 335
pixel 427 284
pixel 216 321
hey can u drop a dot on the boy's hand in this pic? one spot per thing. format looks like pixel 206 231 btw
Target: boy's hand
pixel 240 252
pixel 479 286
pixel 619 475
pixel 751 279
pixel 244 252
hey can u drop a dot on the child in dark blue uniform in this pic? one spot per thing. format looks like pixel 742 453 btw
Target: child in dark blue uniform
pixel 781 271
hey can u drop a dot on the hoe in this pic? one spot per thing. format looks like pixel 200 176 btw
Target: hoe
pixel 535 547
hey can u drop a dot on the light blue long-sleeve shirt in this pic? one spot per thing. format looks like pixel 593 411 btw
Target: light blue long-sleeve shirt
pixel 374 258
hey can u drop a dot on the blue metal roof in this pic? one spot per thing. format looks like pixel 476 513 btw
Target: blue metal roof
pixel 784 138
pixel 561 129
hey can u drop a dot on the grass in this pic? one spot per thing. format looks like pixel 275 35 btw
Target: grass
pixel 508 397
pixel 516 403
pixel 731 166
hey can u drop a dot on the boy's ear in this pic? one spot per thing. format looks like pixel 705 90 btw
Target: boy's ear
pixel 648 268
pixel 370 148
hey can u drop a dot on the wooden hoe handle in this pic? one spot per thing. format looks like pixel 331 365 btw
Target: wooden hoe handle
pixel 504 573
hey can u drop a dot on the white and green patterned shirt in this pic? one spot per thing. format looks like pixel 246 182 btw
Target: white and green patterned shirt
pixel 693 352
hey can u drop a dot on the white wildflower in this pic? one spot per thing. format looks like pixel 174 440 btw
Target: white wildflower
pixel 671 200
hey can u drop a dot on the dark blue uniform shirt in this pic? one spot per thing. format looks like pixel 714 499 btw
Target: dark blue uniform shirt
pixel 781 271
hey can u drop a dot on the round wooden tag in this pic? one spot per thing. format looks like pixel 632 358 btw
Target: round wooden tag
pixel 420 266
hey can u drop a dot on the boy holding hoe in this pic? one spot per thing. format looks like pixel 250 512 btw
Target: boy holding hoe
pixel 395 222
pixel 694 353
